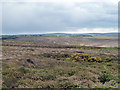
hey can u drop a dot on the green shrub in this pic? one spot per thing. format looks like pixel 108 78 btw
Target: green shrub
pixel 47 76
pixel 67 59
pixel 80 84
pixel 105 78
pixel 51 77
pixel 10 81
pixel 23 70
pixel 70 73
pixel 108 59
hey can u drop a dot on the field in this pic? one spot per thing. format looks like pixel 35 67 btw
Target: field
pixel 60 62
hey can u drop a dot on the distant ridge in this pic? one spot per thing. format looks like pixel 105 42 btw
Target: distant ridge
pixel 67 34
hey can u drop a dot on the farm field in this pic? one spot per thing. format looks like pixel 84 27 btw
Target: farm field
pixel 60 62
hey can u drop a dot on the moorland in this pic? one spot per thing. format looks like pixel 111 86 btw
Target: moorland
pixel 60 61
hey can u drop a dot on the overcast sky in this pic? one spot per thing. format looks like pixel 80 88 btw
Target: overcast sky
pixel 38 16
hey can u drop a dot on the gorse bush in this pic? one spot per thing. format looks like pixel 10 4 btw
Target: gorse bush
pixel 80 57
pixel 94 59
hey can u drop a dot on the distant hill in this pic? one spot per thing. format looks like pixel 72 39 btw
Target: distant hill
pixel 63 34
pixel 60 34
pixel 85 34
pixel 105 34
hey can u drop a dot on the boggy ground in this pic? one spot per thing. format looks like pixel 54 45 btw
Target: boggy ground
pixel 33 65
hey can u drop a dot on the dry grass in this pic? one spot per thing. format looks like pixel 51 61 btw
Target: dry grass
pixel 34 65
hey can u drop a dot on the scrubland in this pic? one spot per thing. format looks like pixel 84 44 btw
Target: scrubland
pixel 33 64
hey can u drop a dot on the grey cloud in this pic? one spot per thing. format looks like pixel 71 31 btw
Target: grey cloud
pixel 56 17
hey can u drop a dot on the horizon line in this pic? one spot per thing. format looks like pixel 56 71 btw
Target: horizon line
pixel 57 33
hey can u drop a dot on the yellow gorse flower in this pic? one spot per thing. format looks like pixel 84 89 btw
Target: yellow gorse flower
pixel 85 57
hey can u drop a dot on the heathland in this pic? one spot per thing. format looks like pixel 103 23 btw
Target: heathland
pixel 60 61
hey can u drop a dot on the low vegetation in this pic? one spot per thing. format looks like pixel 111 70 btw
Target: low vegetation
pixel 29 65
pixel 80 57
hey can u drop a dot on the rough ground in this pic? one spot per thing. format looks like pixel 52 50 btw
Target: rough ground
pixel 95 41
pixel 42 65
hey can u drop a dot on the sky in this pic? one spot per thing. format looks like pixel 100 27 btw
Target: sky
pixel 59 16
